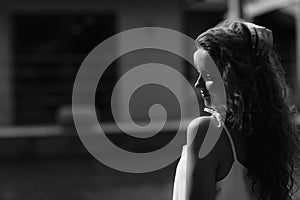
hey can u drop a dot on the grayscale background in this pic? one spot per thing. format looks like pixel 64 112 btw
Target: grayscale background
pixel 42 46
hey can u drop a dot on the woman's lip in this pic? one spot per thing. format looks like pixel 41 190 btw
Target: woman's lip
pixel 204 93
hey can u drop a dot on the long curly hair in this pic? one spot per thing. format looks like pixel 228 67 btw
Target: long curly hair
pixel 256 101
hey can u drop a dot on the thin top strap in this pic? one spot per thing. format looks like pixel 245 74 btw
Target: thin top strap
pixel 231 142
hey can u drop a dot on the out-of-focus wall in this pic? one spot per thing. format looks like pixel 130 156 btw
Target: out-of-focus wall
pixel 165 14
pixel 6 107
pixel 130 14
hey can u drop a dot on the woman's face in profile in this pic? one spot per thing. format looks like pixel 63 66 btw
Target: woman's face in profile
pixel 209 81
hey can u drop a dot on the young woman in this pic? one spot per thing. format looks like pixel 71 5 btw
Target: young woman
pixel 254 157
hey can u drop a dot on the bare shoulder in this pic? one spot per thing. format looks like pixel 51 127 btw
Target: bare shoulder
pixel 199 126
pixel 198 129
pixel 200 121
pixel 201 171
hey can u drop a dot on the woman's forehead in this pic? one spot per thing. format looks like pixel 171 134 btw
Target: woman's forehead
pixel 203 62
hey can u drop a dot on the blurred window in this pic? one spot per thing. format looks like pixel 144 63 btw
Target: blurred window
pixel 47 52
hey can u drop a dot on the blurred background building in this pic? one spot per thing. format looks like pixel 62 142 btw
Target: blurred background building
pixel 42 45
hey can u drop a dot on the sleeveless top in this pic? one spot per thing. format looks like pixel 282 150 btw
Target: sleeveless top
pixel 234 186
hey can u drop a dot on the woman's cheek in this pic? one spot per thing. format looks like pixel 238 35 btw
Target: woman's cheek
pixel 214 87
pixel 209 86
pixel 216 93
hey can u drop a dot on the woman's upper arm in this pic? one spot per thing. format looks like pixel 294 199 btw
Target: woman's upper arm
pixel 200 175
